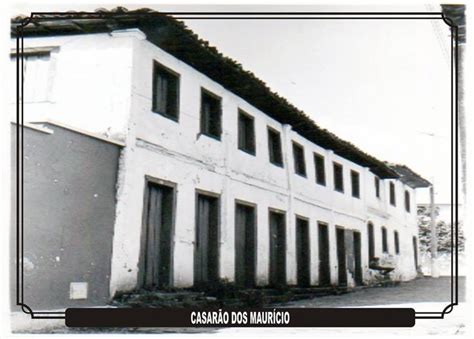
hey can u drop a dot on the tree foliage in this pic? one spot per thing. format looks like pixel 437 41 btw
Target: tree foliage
pixel 444 232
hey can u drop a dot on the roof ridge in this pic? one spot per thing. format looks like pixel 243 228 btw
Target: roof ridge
pixel 164 30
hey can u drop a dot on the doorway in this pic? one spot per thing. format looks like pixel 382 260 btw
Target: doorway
pixel 357 258
pixel 370 232
pixel 341 256
pixel 245 245
pixel 302 252
pixel 158 235
pixel 415 252
pixel 324 267
pixel 206 249
pixel 277 249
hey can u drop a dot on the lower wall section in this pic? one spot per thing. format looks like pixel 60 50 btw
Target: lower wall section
pixel 221 228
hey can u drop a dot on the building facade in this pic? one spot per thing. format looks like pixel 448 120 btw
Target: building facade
pixel 209 187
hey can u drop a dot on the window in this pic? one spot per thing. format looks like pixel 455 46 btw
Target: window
pixel 165 92
pixel 298 156
pixel 407 201
pixel 319 169
pixel 37 68
pixel 392 194
pixel 274 147
pixel 355 184
pixel 211 112
pixel 384 240
pixel 377 187
pixel 397 242
pixel 338 178
pixel 246 133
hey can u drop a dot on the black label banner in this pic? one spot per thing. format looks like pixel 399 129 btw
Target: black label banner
pixel 263 317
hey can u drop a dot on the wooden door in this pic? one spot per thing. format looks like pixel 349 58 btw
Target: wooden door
pixel 370 232
pixel 157 252
pixel 415 252
pixel 302 252
pixel 324 266
pixel 341 256
pixel 277 249
pixel 245 245
pixel 206 253
pixel 357 258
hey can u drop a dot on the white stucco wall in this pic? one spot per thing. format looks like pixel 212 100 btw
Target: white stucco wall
pixel 85 82
pixel 103 83
pixel 176 152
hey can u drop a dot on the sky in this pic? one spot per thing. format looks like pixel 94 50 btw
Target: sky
pixel 383 85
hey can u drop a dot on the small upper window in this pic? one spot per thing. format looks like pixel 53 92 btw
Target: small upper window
pixel 274 147
pixel 338 177
pixel 392 194
pixel 165 92
pixel 298 156
pixel 211 113
pixel 319 169
pixel 407 201
pixel 246 133
pixel 355 182
pixel 377 186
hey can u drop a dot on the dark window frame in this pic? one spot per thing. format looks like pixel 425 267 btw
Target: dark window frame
pixel 275 154
pixel 243 143
pixel 319 168
pixel 407 201
pixel 392 193
pixel 206 126
pixel 299 159
pixel 336 165
pixel 355 189
pixel 159 68
pixel 377 186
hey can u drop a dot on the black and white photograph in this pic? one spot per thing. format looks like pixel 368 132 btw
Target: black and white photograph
pixel 236 170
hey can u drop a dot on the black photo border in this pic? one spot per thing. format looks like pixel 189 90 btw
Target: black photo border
pixel 240 16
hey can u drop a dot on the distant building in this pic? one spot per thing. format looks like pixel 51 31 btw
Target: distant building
pixel 218 178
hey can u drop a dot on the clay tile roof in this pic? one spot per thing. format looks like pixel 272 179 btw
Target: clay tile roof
pixel 409 177
pixel 175 38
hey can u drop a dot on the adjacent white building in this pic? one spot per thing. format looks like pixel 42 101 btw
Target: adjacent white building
pixel 211 188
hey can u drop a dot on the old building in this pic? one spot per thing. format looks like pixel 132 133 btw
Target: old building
pixel 219 179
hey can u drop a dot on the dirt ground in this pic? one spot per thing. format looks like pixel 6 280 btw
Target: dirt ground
pixel 421 294
pixel 416 291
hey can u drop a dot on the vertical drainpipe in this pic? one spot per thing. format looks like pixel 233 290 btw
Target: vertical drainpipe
pixel 226 248
pixel 290 220
pixel 332 221
pixel 364 187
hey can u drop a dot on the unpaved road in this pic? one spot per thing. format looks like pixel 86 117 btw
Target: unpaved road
pixel 424 294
